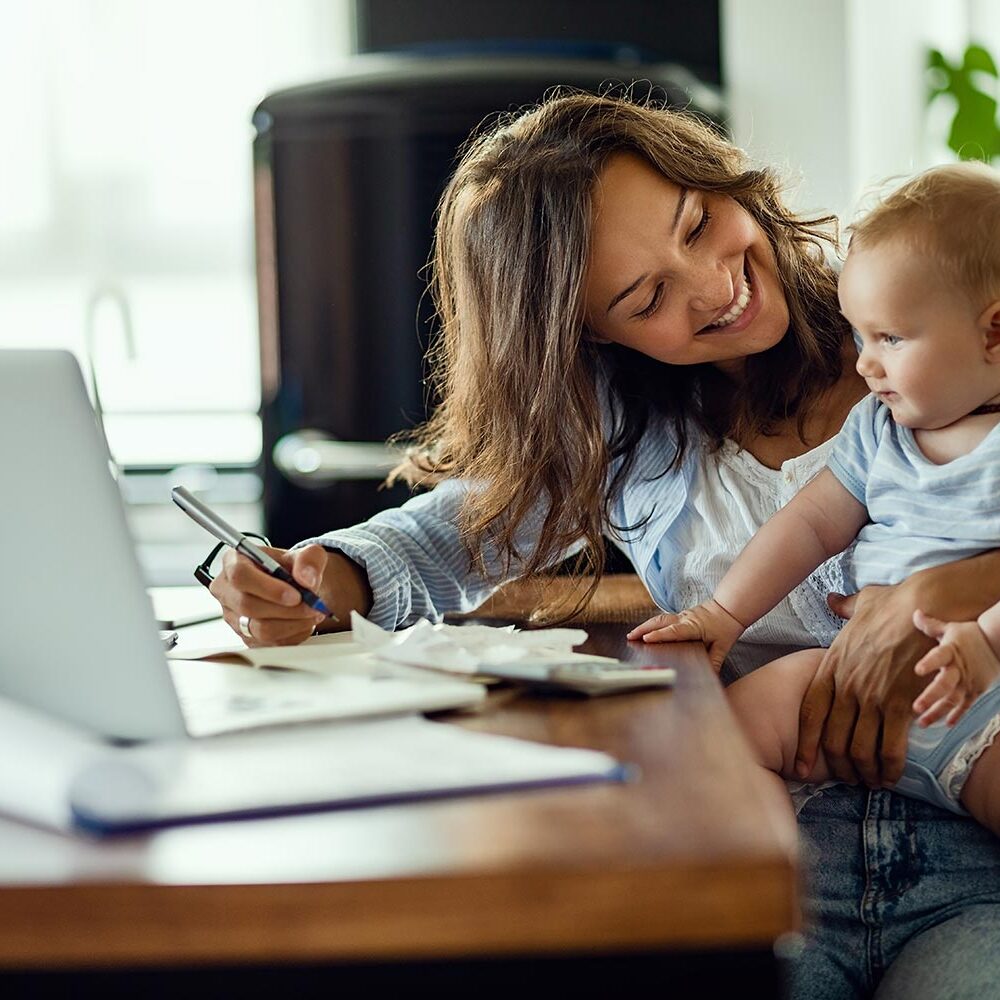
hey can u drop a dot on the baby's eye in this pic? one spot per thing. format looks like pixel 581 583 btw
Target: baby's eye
pixel 891 340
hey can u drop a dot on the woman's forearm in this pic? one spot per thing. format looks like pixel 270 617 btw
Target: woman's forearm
pixel 959 591
pixel 989 622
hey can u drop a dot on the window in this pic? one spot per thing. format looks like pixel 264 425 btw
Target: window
pixel 836 91
pixel 125 201
pixel 126 208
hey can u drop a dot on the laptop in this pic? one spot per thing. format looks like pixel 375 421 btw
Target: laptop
pixel 78 638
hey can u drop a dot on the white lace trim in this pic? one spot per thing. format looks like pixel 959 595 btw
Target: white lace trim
pixel 956 771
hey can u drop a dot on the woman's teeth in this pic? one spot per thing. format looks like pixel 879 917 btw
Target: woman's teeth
pixel 737 309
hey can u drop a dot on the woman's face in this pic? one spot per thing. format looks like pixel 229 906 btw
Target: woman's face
pixel 684 276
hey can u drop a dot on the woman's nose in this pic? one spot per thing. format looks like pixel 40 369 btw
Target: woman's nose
pixel 711 287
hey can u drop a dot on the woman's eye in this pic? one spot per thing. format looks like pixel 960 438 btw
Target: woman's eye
pixel 653 303
pixel 706 216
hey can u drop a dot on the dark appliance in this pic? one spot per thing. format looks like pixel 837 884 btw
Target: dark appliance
pixel 348 173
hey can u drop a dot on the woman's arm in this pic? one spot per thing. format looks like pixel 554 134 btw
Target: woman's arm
pixel 416 563
pixel 859 705
pixel 402 564
pixel 989 622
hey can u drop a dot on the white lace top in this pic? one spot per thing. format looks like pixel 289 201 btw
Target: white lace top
pixel 731 496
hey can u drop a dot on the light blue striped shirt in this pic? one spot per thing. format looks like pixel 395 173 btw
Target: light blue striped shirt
pixel 922 514
pixel 418 567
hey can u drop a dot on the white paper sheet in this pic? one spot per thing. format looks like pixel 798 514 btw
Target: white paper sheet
pixel 459 649
pixel 320 654
pixel 469 649
pixel 226 697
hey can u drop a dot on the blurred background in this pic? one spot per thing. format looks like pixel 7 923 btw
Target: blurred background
pixel 222 207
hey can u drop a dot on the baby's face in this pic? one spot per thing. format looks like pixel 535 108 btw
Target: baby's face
pixel 924 353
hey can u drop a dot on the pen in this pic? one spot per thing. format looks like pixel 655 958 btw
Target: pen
pixel 225 532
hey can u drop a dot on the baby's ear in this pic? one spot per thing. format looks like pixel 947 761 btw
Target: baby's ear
pixel 989 323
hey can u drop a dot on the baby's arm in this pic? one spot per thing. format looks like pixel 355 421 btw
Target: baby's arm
pixel 817 523
pixel 966 660
pixel 820 521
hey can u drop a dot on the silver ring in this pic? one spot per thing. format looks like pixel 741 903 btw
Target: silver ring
pixel 245 626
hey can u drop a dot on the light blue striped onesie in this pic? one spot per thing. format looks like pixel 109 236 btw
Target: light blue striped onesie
pixel 921 515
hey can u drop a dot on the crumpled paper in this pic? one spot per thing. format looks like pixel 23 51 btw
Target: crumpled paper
pixel 469 649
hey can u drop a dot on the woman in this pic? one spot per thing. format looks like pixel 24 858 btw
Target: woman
pixel 638 340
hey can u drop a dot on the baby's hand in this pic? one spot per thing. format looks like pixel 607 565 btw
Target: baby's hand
pixel 965 665
pixel 709 623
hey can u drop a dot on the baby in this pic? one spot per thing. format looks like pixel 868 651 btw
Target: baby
pixel 914 476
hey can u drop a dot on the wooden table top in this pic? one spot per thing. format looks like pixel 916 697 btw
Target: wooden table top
pixel 698 852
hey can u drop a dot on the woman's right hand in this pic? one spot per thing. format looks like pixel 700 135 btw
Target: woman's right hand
pixel 276 612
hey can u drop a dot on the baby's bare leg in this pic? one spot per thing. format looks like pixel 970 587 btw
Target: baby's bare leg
pixel 981 791
pixel 767 704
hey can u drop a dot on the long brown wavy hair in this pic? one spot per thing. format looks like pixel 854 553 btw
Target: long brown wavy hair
pixel 515 373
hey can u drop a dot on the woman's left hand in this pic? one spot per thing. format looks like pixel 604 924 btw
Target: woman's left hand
pixel 859 704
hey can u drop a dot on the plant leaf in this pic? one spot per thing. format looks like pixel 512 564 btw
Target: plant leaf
pixel 974 132
pixel 977 59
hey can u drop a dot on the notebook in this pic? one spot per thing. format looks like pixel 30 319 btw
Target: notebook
pixel 78 634
pixel 75 782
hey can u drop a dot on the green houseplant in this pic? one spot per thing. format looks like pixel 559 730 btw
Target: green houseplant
pixel 975 132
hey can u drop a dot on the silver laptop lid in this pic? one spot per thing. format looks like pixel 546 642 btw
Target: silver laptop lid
pixel 77 634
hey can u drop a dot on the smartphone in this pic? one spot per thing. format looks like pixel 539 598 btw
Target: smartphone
pixel 585 678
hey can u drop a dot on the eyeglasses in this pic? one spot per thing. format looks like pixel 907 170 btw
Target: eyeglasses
pixel 203 572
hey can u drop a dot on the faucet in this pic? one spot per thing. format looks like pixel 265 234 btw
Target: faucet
pixel 106 290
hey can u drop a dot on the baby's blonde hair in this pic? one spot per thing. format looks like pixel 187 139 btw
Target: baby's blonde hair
pixel 952 214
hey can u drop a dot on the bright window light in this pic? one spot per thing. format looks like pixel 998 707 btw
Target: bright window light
pixel 126 198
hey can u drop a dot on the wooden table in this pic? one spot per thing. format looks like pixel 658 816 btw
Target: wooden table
pixel 696 855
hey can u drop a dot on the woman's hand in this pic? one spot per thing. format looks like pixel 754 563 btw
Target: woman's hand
pixel 964 662
pixel 277 614
pixel 859 704
pixel 709 623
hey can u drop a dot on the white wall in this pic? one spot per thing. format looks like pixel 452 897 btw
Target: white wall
pixel 833 90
